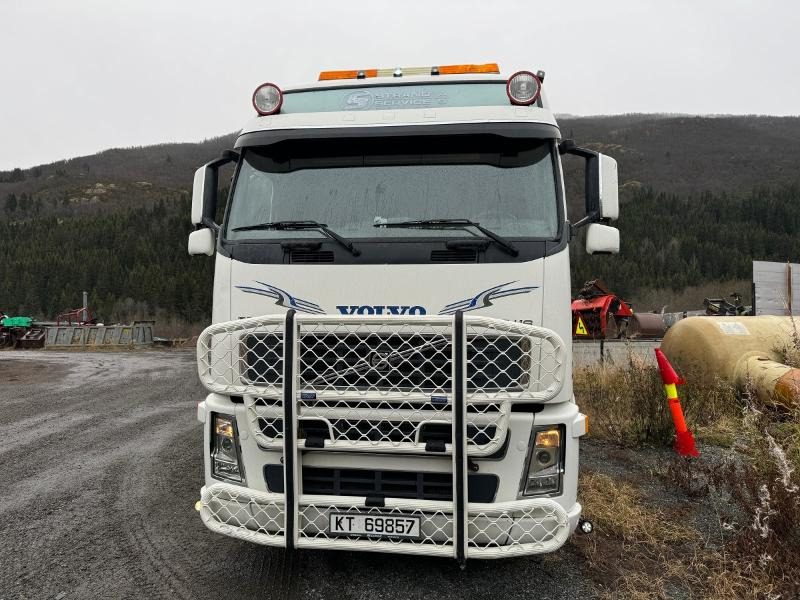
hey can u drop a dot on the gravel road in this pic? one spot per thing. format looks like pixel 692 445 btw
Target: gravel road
pixel 102 464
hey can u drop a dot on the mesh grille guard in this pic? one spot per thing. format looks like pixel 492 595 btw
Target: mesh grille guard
pixel 468 391
pixel 381 383
pixel 382 356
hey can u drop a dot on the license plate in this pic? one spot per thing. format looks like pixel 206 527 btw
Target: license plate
pixel 374 525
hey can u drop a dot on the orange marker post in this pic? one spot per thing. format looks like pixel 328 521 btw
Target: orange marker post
pixel 684 440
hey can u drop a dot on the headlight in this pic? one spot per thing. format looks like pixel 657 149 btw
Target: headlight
pixel 226 460
pixel 545 465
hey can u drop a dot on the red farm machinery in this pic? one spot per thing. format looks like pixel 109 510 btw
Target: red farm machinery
pixel 599 314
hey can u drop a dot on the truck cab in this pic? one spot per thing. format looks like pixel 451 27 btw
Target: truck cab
pixel 389 363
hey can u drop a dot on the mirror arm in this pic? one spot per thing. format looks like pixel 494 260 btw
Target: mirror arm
pixel 226 157
pixel 591 192
pixel 208 222
pixel 593 217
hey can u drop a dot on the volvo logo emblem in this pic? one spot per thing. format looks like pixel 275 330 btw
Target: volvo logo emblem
pixel 380 360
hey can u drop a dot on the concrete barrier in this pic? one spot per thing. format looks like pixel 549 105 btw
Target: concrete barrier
pixel 615 352
pixel 140 333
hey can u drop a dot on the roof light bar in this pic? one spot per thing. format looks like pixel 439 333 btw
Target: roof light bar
pixel 491 68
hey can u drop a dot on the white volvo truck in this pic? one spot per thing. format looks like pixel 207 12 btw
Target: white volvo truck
pixel 390 359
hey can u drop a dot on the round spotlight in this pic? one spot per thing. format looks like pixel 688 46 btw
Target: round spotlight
pixel 544 457
pixel 523 88
pixel 267 99
pixel 586 526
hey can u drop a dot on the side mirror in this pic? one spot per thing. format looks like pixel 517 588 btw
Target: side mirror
pixel 602 239
pixel 608 188
pixel 601 188
pixel 204 190
pixel 202 241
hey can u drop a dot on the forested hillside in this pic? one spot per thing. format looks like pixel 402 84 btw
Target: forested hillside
pixel 673 241
pixel 703 197
pixel 133 263
pixel 690 154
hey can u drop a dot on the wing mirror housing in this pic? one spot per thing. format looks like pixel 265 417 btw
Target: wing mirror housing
pixel 608 187
pixel 602 239
pixel 601 188
pixel 204 205
pixel 202 241
pixel 204 190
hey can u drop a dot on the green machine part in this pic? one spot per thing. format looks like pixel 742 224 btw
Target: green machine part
pixel 17 322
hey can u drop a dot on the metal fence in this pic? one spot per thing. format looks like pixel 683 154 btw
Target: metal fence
pixel 776 288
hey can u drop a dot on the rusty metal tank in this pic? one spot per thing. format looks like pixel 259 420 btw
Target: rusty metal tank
pixel 646 325
pixel 739 350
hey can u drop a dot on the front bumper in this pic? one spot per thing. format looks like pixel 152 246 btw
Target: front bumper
pixel 461 374
pixel 495 530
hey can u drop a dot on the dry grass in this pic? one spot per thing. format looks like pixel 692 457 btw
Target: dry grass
pixel 791 354
pixel 632 553
pixel 626 405
pixel 641 551
pixel 617 509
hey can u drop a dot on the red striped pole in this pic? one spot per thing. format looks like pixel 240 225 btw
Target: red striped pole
pixel 684 440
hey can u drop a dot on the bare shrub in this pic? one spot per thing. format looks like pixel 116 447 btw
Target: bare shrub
pixel 751 551
pixel 758 489
pixel 624 404
pixel 791 354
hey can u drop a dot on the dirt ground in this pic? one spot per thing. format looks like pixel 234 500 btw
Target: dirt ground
pixel 102 464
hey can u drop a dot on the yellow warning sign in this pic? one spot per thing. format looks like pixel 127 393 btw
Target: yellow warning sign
pixel 580 328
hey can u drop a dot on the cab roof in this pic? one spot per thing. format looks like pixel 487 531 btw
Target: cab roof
pixel 462 116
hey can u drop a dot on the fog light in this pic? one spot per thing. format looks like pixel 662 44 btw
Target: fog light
pixel 540 484
pixel 585 526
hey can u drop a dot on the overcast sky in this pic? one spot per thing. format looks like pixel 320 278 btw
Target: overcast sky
pixel 80 76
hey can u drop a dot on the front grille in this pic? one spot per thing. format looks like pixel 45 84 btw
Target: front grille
pixel 262 355
pixel 326 481
pixel 454 256
pixel 391 361
pixel 311 256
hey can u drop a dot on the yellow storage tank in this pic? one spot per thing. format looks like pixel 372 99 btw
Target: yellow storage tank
pixel 739 350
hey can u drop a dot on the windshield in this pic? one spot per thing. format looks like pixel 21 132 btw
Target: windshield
pixel 507 185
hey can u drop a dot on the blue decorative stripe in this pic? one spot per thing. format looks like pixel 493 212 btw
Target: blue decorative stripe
pixel 283 298
pixel 484 299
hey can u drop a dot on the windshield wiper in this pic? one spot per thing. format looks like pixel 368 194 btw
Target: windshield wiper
pixel 503 243
pixel 304 225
